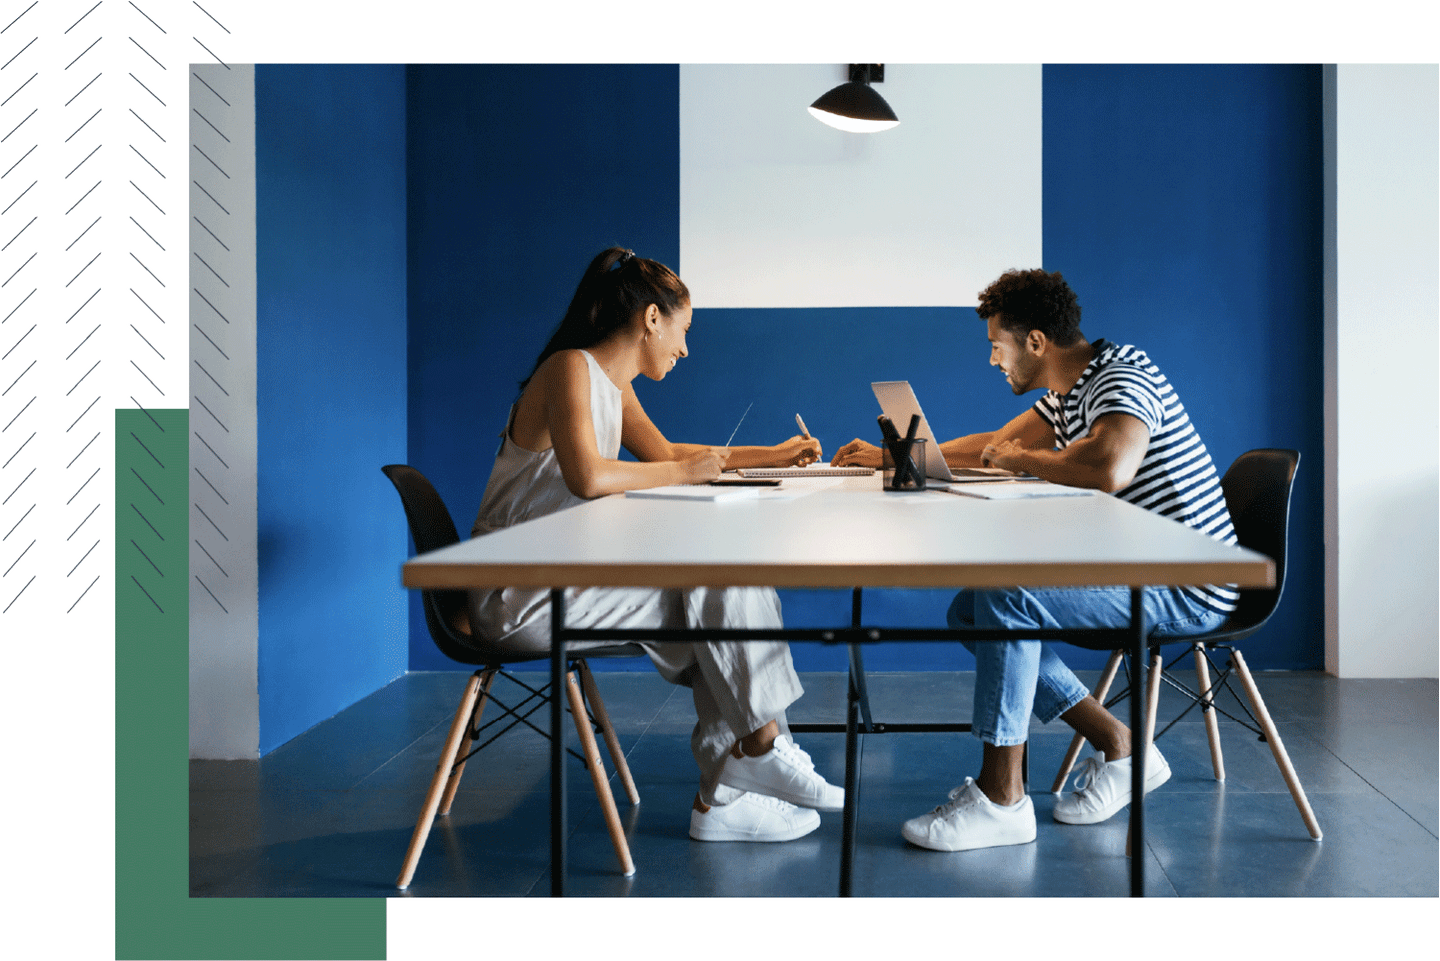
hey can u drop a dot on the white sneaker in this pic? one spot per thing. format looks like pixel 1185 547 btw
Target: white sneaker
pixel 785 772
pixel 1103 787
pixel 971 820
pixel 753 817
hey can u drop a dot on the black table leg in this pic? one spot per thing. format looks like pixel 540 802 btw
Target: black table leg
pixel 852 786
pixel 856 700
pixel 1138 690
pixel 557 743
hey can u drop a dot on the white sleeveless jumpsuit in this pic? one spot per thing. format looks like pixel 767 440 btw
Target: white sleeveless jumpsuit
pixel 738 686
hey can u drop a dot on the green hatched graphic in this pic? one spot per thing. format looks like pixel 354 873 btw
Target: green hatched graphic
pixel 94 167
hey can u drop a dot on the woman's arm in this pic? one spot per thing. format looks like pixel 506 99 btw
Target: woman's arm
pixel 642 438
pixel 565 385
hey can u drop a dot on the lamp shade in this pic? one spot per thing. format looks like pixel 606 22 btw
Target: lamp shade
pixel 856 107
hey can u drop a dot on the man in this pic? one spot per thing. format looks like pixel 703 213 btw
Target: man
pixel 1109 421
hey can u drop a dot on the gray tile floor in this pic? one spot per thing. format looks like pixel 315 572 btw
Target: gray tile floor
pixel 330 813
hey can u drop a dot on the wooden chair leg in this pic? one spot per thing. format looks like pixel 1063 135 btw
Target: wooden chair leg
pixel 1277 747
pixel 448 753
pixel 1107 676
pixel 597 774
pixel 1152 707
pixel 612 742
pixel 1152 698
pixel 486 679
pixel 1212 721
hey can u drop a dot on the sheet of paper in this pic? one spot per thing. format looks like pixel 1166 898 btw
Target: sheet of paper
pixel 697 492
pixel 791 488
pixel 1011 491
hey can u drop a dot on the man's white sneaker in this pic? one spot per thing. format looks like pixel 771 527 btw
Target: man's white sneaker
pixel 1103 787
pixel 785 772
pixel 971 820
pixel 753 817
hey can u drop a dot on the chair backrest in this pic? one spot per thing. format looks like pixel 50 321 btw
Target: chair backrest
pixel 432 528
pixel 1257 491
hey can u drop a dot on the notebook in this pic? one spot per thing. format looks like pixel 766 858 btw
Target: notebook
pixel 898 402
pixel 814 470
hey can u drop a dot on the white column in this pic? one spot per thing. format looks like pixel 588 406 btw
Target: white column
pixel 1382 399
pixel 224 576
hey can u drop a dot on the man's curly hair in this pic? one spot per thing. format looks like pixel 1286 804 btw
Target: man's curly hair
pixel 1029 300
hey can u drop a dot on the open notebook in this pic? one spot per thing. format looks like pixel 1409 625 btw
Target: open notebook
pixel 814 470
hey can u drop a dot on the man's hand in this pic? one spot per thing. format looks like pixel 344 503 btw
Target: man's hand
pixel 857 453
pixel 1005 455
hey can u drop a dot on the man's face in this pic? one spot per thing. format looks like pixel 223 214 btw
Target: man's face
pixel 1019 365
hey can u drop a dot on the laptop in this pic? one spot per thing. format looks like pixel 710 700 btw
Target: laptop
pixel 898 402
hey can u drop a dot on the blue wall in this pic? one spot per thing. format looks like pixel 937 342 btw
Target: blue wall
pixel 519 175
pixel 420 231
pixel 330 380
pixel 1183 204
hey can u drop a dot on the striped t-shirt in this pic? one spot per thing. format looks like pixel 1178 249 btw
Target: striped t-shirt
pixel 1177 478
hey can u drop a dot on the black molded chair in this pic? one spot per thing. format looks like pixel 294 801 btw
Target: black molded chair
pixel 448 619
pixel 1257 490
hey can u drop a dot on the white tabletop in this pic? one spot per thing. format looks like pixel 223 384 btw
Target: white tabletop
pixel 852 534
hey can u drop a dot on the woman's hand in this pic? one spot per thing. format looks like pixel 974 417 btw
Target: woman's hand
pixel 857 453
pixel 703 465
pixel 797 452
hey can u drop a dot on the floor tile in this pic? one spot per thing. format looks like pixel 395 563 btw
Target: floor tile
pixel 330 813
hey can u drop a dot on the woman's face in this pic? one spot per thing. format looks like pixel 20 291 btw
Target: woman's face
pixel 666 344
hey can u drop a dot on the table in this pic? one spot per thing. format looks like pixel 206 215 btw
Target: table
pixel 851 534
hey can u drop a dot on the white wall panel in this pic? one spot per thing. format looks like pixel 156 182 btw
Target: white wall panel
pixel 1384 400
pixel 224 573
pixel 780 210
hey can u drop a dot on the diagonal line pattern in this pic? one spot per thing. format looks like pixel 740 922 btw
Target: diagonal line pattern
pixel 79 80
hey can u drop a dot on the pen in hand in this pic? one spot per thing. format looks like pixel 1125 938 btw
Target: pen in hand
pixel 805 433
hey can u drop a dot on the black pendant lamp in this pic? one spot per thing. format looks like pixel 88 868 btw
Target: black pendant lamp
pixel 856 106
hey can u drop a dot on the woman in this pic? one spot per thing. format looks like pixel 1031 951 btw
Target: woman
pixel 629 316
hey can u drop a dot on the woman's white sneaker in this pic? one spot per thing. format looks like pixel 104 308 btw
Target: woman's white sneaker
pixel 971 820
pixel 784 772
pixel 1103 787
pixel 753 817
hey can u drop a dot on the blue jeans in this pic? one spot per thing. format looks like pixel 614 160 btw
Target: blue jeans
pixel 1014 678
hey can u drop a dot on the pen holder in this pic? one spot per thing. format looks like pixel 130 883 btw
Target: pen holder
pixel 908 459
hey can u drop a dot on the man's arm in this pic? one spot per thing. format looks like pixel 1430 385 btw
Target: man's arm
pixel 1106 459
pixel 1028 430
